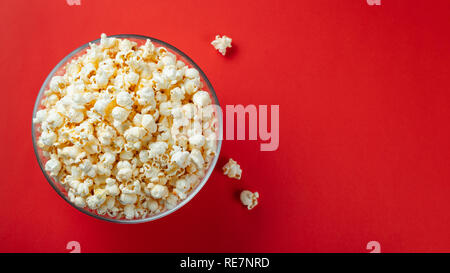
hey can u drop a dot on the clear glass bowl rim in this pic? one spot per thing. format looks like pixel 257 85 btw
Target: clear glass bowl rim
pixel 210 168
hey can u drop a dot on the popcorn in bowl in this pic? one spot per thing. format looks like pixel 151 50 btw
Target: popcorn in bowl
pixel 127 130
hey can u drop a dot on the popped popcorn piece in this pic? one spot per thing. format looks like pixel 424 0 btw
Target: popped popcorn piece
pixel 157 148
pixel 232 169
pixel 249 199
pixel 54 119
pixel 134 134
pixel 222 43
pixel 128 198
pixel 129 211
pixel 119 114
pixel 53 166
pixel 177 94
pixel 79 202
pixel 122 129
pixel 171 201
pixel 125 172
pixel 48 138
pixel 181 158
pixel 202 98
pixel 191 73
pixel 159 191
pixel 148 122
pixel 111 187
pixel 197 140
pixel 101 105
pixel 197 157
pixel 41 116
pixel 124 99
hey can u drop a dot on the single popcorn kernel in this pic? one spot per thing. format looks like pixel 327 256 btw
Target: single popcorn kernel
pixel 221 44
pixel 249 199
pixel 232 169
pixel 123 130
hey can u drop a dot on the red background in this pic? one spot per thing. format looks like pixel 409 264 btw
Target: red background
pixel 364 124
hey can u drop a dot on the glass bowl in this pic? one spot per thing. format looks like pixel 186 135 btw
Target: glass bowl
pixel 60 70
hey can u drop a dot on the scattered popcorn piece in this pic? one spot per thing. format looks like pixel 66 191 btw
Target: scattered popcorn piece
pixel 249 199
pixel 232 169
pixel 123 131
pixel 221 44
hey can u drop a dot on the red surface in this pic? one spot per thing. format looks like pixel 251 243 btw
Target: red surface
pixel 364 124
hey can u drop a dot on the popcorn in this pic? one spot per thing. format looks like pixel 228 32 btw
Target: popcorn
pixel 146 96
pixel 96 200
pixel 53 166
pixel 111 187
pixel 159 191
pixel 134 134
pixel 108 158
pixel 56 83
pixel 132 78
pixel 144 156
pixel 197 157
pixel 249 199
pixel 221 44
pixel 192 85
pixel 181 158
pixel 128 198
pixel 119 114
pixel 122 129
pixel 191 73
pixel 201 98
pixel 177 94
pixel 87 71
pixel 182 185
pixel 73 153
pixel 157 148
pixel 153 206
pixel 54 119
pixel 41 116
pixel 87 168
pixel 197 140
pixel 171 201
pixel 232 169
pixel 79 202
pixel 168 60
pixel 48 138
pixel 129 211
pixel 148 122
pixel 124 99
pixel 83 188
pixel 101 105
pixel 124 171
pixel 105 134
pixel 102 77
pixel 75 116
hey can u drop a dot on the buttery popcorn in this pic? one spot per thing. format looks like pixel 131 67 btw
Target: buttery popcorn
pixel 127 129
pixel 222 43
pixel 232 169
pixel 249 199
